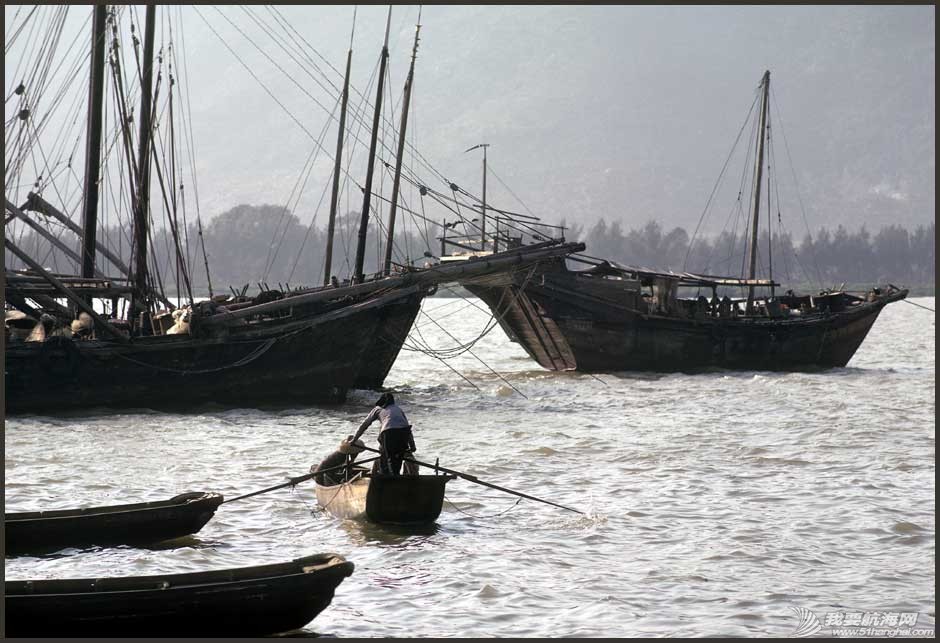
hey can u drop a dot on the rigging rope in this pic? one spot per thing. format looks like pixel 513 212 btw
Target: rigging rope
pixel 796 185
pixel 462 348
pixel 253 75
pixel 190 144
pixel 247 359
pixel 718 182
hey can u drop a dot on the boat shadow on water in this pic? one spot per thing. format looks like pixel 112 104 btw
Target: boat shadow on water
pixel 365 533
pixel 183 542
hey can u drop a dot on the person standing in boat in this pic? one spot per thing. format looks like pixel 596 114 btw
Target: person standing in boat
pixel 395 437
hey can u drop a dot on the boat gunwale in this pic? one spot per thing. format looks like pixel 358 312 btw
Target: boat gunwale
pixel 369 476
pixel 299 567
pixel 184 500
pixel 859 309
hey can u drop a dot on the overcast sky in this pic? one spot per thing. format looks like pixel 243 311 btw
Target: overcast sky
pixel 621 112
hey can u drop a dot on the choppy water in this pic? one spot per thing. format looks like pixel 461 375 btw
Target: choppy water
pixel 717 502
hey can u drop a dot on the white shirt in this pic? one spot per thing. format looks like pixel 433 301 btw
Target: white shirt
pixel 391 417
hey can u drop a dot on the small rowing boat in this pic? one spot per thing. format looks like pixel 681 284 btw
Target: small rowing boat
pixel 248 601
pixel 393 500
pixel 141 523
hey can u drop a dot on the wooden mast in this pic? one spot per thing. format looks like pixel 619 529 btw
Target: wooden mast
pixel 141 210
pixel 406 104
pixel 758 171
pixel 93 143
pixel 482 209
pixel 364 221
pixel 334 200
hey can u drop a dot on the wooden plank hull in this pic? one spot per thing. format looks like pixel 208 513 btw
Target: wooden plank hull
pixel 310 347
pixel 142 523
pixel 566 325
pixel 310 360
pixel 392 331
pixel 252 601
pixel 393 500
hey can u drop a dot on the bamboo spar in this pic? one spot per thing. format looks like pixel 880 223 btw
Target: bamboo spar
pixel 51 238
pixel 36 203
pixel 100 322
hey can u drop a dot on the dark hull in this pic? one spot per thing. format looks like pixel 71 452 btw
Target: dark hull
pixel 253 601
pixel 393 328
pixel 406 500
pixel 389 500
pixel 566 325
pixel 142 523
pixel 308 360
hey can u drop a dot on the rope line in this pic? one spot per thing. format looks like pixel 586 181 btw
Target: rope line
pixel 255 354
pixel 466 513
pixel 918 305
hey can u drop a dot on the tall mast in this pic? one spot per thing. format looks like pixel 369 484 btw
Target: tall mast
pixel 93 143
pixel 758 171
pixel 406 103
pixel 483 217
pixel 483 209
pixel 141 213
pixel 334 200
pixel 364 221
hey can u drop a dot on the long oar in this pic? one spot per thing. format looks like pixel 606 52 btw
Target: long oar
pixel 293 481
pixel 471 478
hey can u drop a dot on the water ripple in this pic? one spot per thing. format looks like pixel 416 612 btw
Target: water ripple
pixel 714 503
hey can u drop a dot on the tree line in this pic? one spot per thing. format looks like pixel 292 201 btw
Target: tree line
pixel 267 245
pixel 826 258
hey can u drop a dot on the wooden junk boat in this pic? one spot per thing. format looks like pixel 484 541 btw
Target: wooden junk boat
pixel 616 318
pixel 305 344
pixel 141 523
pixel 249 601
pixel 384 499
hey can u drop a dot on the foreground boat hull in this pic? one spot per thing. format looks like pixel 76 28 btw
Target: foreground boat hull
pixel 564 326
pixel 142 523
pixel 392 500
pixel 254 601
